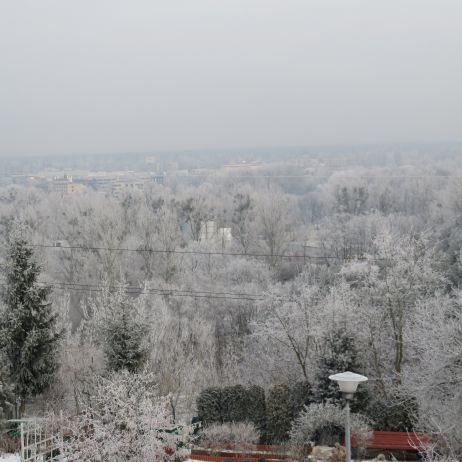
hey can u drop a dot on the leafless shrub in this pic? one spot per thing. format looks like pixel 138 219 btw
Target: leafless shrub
pixel 317 416
pixel 8 444
pixel 241 436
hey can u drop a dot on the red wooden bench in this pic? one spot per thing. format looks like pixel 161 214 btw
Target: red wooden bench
pixel 398 441
pixel 197 454
pixel 388 442
pixel 266 452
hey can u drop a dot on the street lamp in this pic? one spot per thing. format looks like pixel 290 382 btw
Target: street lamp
pixel 348 383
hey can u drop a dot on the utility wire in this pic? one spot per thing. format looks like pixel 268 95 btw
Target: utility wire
pixel 198 252
pixel 158 292
pixel 138 289
pixel 86 287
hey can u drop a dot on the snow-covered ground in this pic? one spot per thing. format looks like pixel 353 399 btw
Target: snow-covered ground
pixel 10 458
pixel 17 458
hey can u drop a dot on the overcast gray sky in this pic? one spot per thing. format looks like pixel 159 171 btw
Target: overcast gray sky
pixel 88 76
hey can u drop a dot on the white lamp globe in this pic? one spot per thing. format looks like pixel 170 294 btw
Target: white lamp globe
pixel 348 381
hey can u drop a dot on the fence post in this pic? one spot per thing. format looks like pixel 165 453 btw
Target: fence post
pixel 61 436
pixel 22 442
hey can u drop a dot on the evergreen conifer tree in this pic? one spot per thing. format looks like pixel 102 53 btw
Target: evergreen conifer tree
pixel 301 395
pixel 6 390
pixel 28 324
pixel 340 355
pixel 125 342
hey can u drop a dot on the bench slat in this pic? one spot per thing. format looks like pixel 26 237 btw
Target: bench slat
pixel 396 440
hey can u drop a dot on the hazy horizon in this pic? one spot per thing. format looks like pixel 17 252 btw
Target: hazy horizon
pixel 319 149
pixel 143 76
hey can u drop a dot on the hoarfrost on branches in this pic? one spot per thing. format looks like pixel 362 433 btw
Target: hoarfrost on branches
pixel 240 435
pixel 127 421
pixel 316 418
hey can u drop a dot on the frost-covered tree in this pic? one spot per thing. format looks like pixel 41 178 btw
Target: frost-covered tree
pixel 434 377
pixel 81 362
pixel 122 323
pixel 195 211
pixel 159 231
pixel 6 390
pixel 180 354
pixel 243 221
pixel 287 327
pixel 275 223
pixel 339 354
pixel 386 291
pixel 128 421
pixel 28 333
pixel 406 273
pixel 125 341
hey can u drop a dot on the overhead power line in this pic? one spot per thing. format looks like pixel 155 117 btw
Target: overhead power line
pixel 93 288
pixel 166 293
pixel 138 289
pixel 198 252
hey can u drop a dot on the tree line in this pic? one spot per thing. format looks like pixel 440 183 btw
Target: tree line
pixel 382 287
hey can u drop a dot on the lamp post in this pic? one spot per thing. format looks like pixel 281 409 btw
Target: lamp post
pixel 348 383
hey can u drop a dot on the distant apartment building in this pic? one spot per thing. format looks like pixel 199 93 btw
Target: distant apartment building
pixel 153 163
pixel 243 166
pixel 211 232
pixel 64 185
pixel 118 183
pixel 124 186
pixel 99 183
pixel 161 165
pixel 29 180
pixel 158 179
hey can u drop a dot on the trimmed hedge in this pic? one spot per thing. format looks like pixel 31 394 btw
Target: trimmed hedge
pixel 271 415
pixel 279 413
pixel 232 404
pixel 257 409
pixel 210 406
pixel 235 404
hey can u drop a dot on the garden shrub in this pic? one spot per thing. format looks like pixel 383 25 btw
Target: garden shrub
pixel 300 395
pixel 241 436
pixel 256 411
pixel 397 413
pixel 235 404
pixel 210 406
pixel 318 421
pixel 279 413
